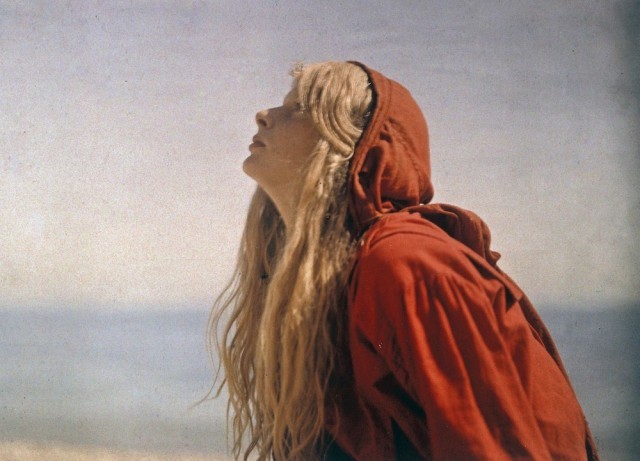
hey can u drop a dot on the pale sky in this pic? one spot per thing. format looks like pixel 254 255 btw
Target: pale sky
pixel 124 127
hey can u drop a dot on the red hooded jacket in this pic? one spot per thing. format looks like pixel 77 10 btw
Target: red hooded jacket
pixel 449 359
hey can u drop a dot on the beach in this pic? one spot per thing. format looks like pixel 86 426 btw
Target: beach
pixel 122 385
pixel 23 451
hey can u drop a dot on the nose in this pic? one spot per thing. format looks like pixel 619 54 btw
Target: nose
pixel 262 119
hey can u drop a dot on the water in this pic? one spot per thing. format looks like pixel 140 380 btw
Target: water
pixel 119 380
pixel 127 379
pixel 601 351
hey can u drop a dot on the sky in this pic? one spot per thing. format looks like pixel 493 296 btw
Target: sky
pixel 124 125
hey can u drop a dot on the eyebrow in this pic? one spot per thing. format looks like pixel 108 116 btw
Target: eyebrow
pixel 290 97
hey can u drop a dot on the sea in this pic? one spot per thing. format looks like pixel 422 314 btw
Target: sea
pixel 135 379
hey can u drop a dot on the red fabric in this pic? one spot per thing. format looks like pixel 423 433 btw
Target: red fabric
pixel 449 359
pixel 390 168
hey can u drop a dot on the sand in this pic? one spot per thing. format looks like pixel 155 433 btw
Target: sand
pixel 24 451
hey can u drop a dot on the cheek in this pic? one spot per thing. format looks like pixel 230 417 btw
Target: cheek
pixel 304 143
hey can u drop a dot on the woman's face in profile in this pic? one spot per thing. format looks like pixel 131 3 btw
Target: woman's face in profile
pixel 280 150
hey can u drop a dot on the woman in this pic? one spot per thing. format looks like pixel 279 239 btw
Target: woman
pixel 365 324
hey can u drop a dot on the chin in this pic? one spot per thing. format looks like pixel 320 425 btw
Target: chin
pixel 251 167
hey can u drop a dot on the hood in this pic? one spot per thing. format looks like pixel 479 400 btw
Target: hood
pixel 390 169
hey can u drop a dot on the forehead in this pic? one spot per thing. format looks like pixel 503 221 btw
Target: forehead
pixel 292 95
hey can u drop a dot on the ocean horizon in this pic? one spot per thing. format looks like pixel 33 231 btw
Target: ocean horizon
pixel 131 380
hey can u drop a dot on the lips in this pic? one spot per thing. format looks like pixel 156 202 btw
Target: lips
pixel 256 142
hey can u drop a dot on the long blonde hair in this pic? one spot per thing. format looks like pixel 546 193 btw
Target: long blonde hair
pixel 284 305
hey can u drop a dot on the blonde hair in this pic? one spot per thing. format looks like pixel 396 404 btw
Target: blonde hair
pixel 287 296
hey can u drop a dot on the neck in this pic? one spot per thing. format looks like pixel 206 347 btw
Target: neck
pixel 285 199
pixel 286 211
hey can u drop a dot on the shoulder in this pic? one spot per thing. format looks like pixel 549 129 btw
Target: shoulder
pixel 409 271
pixel 405 243
pixel 407 260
